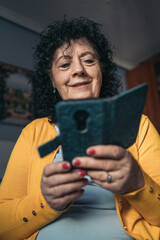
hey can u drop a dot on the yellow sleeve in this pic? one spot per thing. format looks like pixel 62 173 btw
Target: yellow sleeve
pixel 147 200
pixel 21 214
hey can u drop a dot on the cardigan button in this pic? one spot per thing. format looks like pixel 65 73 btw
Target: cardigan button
pixel 42 205
pixel 151 190
pixel 158 196
pixel 25 219
pixel 34 213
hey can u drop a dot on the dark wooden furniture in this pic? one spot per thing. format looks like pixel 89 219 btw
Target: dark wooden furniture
pixel 148 72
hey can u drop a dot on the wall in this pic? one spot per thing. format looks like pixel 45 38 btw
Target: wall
pixel 16 48
pixel 16 44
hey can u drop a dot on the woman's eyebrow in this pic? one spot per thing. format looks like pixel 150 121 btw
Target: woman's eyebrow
pixel 81 55
pixel 62 56
pixel 88 53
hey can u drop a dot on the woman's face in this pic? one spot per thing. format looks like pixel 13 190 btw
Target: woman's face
pixel 76 71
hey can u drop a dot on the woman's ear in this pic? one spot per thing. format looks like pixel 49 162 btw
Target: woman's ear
pixel 53 84
pixel 51 78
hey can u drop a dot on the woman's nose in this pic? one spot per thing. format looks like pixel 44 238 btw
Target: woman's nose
pixel 77 68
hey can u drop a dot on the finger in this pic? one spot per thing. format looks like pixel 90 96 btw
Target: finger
pixel 112 186
pixel 106 151
pixel 94 163
pixel 65 189
pixel 57 167
pixel 61 203
pixel 103 175
pixel 62 178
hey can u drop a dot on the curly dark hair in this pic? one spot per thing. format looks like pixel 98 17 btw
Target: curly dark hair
pixel 55 36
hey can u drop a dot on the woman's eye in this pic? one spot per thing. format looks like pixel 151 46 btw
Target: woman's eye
pixel 89 61
pixel 65 65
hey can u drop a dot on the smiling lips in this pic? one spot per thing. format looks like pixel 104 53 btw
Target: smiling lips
pixel 80 84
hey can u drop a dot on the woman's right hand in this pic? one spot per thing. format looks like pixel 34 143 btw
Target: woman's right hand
pixel 60 185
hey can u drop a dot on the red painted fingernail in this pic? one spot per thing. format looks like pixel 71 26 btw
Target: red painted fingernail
pixel 91 151
pixel 85 181
pixel 82 190
pixel 82 172
pixel 65 166
pixel 76 162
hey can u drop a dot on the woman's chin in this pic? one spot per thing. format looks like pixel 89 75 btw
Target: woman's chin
pixel 82 96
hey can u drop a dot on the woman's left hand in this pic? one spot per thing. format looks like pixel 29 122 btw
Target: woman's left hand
pixel 112 167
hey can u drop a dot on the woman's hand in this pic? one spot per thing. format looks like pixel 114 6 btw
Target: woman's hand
pixel 112 167
pixel 60 185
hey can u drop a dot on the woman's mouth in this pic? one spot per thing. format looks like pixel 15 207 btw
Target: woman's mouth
pixel 80 85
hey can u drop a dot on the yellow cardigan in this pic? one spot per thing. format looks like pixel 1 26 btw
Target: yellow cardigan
pixel 24 211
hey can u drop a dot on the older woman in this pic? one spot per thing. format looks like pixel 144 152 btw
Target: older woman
pixel 114 193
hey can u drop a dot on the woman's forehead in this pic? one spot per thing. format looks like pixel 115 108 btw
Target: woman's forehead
pixel 68 48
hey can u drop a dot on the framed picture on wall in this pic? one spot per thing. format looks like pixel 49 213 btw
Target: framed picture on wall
pixel 15 95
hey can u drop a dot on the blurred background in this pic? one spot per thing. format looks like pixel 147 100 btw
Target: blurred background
pixel 132 27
